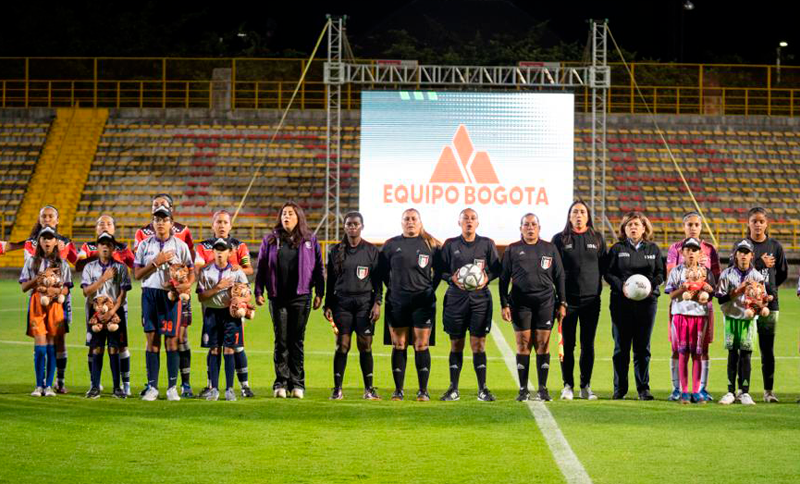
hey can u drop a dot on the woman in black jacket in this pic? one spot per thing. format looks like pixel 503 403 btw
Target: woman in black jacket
pixel 583 253
pixel 632 321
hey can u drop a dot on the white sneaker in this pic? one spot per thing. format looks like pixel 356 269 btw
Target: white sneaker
pixel 567 393
pixel 298 393
pixel 588 394
pixel 746 399
pixel 48 392
pixel 280 393
pixel 230 395
pixel 38 392
pixel 727 399
pixel 126 387
pixel 150 395
pixel 172 394
pixel 769 396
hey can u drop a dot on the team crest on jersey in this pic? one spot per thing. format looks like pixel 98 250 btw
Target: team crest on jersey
pixel 480 263
pixel 423 260
pixel 546 262
pixel 362 272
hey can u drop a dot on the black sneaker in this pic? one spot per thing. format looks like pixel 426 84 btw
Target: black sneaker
pixel 120 393
pixel 204 392
pixel 451 395
pixel 485 395
pixel 93 393
pixel 186 391
pixel 371 394
pixel 646 395
pixel 336 394
pixel 543 395
pixel 247 392
pixel 423 396
pixel 397 396
pixel 618 396
pixel 524 395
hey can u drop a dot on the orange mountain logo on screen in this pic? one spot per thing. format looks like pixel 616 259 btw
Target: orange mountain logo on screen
pixel 461 163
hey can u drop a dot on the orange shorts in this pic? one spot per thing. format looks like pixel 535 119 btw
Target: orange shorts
pixel 45 321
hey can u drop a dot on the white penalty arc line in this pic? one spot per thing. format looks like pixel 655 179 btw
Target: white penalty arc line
pixel 565 458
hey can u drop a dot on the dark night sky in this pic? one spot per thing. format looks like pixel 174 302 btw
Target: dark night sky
pixel 715 31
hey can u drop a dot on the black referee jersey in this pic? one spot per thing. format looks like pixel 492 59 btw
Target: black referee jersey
pixel 407 265
pixel 583 256
pixel 358 275
pixel 457 252
pixel 535 270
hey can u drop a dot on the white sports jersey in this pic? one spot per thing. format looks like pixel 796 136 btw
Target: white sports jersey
pixel 210 277
pixel 147 251
pixel 112 287
pixel 730 279
pixel 677 276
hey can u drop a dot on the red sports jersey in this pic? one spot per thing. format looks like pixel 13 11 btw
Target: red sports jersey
pixel 69 253
pixel 204 251
pixel 179 231
pixel 122 253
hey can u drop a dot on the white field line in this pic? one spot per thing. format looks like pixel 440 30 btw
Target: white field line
pixel 565 458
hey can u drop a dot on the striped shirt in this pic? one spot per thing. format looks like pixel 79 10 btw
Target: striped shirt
pixel 147 251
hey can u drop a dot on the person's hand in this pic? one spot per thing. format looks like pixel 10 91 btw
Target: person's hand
pixel 506 314
pixel 454 280
pixel 260 300
pixel 485 281
pixel 769 260
pixel 108 274
pixel 375 313
pixel 106 317
pixel 235 267
pixel 164 257
pixel 740 290
pixel 328 314
pixel 317 302
pixel 686 285
pixel 224 283
pixel 562 313
pixel 707 287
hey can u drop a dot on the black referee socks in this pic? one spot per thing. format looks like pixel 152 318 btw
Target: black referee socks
pixel 479 363
pixel 456 361
pixel 422 359
pixel 365 358
pixel 399 360
pixel 523 367
pixel 542 369
pixel 339 364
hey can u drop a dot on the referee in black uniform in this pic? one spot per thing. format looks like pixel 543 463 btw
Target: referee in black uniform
pixel 583 253
pixel 353 301
pixel 468 310
pixel 534 267
pixel 407 266
pixel 632 321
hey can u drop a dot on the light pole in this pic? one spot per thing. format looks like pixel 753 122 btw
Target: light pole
pixel 778 60
pixel 687 6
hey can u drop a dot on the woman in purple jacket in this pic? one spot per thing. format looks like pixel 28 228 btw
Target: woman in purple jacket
pixel 289 265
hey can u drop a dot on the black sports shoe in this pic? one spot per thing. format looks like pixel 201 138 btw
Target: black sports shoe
pixel 646 395
pixel 618 396
pixel 542 395
pixel 371 394
pixel 397 396
pixel 93 393
pixel 336 394
pixel 451 395
pixel 186 391
pixel 204 392
pixel 485 395
pixel 247 392
pixel 524 395
pixel 423 396
pixel 120 393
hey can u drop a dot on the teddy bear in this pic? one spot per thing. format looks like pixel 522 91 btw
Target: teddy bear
pixel 102 305
pixel 756 300
pixel 696 277
pixel 178 274
pixel 50 286
pixel 240 301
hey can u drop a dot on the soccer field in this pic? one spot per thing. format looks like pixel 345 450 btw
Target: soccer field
pixel 71 439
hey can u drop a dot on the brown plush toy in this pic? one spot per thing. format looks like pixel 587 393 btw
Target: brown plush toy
pixel 756 300
pixel 102 305
pixel 240 301
pixel 696 277
pixel 50 286
pixel 178 274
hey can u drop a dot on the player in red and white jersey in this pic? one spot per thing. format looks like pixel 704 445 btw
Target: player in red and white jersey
pixel 179 231
pixel 240 257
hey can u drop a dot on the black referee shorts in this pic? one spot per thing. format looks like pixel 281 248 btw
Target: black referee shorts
pixel 411 310
pixel 467 311
pixel 351 313
pixel 529 313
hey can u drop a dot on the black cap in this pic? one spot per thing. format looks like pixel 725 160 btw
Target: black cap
pixel 691 242
pixel 224 243
pixel 162 211
pixel 106 237
pixel 47 231
pixel 744 245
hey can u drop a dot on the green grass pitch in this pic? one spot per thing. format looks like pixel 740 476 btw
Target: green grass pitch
pixel 71 439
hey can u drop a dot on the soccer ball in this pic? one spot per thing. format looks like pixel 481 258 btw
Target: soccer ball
pixel 637 287
pixel 470 276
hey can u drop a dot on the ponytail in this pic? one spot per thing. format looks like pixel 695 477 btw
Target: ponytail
pixel 431 241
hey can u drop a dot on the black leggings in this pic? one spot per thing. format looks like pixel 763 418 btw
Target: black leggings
pixel 289 319
pixel 588 313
